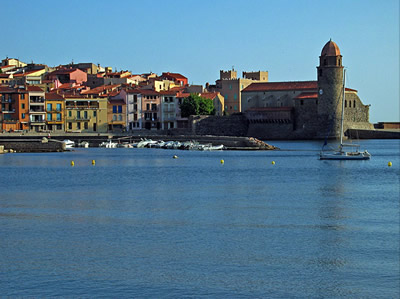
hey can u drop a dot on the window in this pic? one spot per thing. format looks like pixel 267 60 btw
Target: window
pixel 85 115
pixel 23 115
pixel 235 107
pixel 22 106
pixel 147 106
pixel 78 114
pixel 301 102
pixel 95 127
pixel 114 117
pixel 94 113
pixel 345 103
pixel 69 113
pixel 86 124
pixel 120 117
pixel 70 126
pixel 49 106
pixel 235 96
pixel 22 96
pixel 354 104
pixel 349 104
pixel 230 86
pixel 119 109
pixel 320 72
pixel 59 116
pixel 49 116
pixel 153 107
pixel 58 107
pixel 114 109
pixel 78 125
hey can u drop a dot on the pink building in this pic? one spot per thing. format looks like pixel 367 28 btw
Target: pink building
pixel 65 75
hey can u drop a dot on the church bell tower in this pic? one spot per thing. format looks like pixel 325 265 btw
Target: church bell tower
pixel 330 88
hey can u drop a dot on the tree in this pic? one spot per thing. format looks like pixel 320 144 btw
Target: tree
pixel 196 105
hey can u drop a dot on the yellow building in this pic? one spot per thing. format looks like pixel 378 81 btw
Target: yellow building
pixel 55 106
pixel 86 115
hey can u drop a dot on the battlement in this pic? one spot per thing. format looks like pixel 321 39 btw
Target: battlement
pixel 258 76
pixel 227 75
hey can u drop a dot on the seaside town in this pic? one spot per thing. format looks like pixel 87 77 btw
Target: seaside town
pixel 90 98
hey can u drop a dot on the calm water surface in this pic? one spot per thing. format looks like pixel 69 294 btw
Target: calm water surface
pixel 141 224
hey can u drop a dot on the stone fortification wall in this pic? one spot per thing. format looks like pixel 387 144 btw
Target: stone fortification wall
pixel 356 114
pixel 265 131
pixel 233 125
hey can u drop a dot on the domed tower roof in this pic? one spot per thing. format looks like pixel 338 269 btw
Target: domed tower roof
pixel 330 49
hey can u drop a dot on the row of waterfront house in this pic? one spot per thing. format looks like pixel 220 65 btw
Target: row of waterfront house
pixel 88 98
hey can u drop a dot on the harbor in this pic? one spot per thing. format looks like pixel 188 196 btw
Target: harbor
pixel 54 143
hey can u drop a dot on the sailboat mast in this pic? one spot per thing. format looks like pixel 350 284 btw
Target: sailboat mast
pixel 342 117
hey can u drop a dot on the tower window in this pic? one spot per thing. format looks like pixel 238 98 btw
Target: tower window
pixel 301 102
pixel 320 72
pixel 354 104
pixel 345 103
pixel 325 61
pixel 349 104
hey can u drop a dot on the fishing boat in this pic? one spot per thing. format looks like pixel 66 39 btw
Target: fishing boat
pixel 69 143
pixel 341 153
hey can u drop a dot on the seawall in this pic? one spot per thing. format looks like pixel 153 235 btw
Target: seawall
pixel 31 145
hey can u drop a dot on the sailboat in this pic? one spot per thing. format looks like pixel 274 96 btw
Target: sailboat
pixel 341 153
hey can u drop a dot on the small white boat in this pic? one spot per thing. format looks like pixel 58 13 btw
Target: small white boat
pixel 69 143
pixel 345 155
pixel 210 147
pixel 84 144
pixel 143 143
pixel 108 144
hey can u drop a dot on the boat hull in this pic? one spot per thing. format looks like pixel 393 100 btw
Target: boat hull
pixel 345 156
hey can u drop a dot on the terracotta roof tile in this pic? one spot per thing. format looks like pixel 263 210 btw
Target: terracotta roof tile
pixel 53 96
pixel 278 86
pixel 209 95
pixel 34 88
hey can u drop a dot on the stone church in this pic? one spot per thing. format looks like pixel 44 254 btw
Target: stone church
pixel 305 109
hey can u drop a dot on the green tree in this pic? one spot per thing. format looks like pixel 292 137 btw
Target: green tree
pixel 196 105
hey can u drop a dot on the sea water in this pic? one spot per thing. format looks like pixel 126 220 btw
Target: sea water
pixel 141 224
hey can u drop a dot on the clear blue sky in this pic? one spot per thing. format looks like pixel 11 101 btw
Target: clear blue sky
pixel 200 38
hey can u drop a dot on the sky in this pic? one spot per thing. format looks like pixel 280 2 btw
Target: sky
pixel 200 38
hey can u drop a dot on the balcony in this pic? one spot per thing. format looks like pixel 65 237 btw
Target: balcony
pixel 8 111
pixel 37 100
pixel 37 121
pixel 10 120
pixel 6 100
pixel 81 118
pixel 37 110
pixel 82 107
pixel 54 110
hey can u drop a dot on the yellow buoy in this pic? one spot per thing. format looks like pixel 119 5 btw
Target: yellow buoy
pixel 93 162
pixel 390 164
pixel 72 163
pixel 222 161
pixel 273 162
pixel 175 157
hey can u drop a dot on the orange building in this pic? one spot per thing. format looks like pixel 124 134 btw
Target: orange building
pixel 14 114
